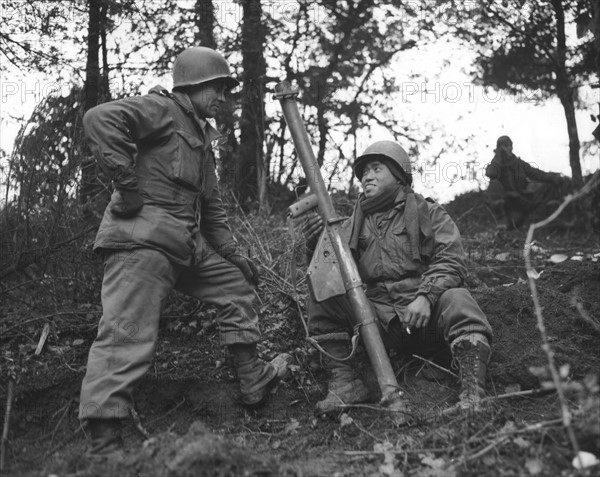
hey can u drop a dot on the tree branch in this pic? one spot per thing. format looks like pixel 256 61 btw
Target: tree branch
pixel 532 275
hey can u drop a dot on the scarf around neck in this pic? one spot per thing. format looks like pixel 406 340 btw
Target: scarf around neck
pixel 416 217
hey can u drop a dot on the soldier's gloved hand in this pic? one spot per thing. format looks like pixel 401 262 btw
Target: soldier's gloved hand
pixel 247 267
pixel 129 204
pixel 250 271
pixel 312 228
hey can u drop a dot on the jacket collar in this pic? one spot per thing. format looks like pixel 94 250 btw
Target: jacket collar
pixel 183 101
pixel 401 197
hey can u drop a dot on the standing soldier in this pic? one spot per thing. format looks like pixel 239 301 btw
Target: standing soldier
pixel 516 187
pixel 411 261
pixel 164 228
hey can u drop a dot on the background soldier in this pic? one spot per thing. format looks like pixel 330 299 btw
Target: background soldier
pixel 517 188
pixel 164 228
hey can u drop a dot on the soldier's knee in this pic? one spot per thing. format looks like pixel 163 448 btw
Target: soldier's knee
pixel 453 294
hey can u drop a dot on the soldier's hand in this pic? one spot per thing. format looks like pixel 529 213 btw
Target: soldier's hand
pixel 418 313
pixel 246 266
pixel 128 205
pixel 312 228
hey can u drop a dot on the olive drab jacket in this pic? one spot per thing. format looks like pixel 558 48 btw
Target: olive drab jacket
pixel 391 277
pixel 514 173
pixel 159 146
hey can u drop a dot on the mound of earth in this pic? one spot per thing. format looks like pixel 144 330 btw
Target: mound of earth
pixel 563 290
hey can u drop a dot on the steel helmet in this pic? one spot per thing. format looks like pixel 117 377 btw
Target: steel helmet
pixel 396 155
pixel 504 141
pixel 200 64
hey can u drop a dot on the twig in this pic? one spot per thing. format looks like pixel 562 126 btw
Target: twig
pixel 138 423
pixel 43 338
pixel 65 442
pixel 504 437
pixel 533 427
pixel 363 430
pixel 47 251
pixel 9 400
pixel 67 407
pixel 531 274
pixel 483 451
pixel 399 451
pixel 469 211
pixel 584 314
pixel 168 412
pixel 251 230
pixel 529 392
pixel 435 365
pixel 45 317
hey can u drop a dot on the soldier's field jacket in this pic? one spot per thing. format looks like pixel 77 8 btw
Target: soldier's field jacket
pixel 514 173
pixel 392 278
pixel 159 146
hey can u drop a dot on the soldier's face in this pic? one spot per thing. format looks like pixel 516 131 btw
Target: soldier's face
pixel 377 178
pixel 208 98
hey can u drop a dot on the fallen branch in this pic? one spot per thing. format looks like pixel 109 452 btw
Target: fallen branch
pixel 400 451
pixel 532 275
pixel 435 365
pixel 529 392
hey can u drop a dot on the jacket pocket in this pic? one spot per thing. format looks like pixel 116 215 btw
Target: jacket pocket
pixel 401 248
pixel 187 170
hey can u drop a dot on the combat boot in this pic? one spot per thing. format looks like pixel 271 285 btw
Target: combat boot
pixel 345 387
pixel 472 359
pixel 106 440
pixel 257 377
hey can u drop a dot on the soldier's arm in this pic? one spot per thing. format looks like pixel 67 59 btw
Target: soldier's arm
pixel 214 223
pixel 114 129
pixel 447 268
pixel 536 174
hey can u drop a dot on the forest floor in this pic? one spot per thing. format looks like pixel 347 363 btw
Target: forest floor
pixel 189 421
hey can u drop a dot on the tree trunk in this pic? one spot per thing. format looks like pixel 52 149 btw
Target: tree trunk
pixel 566 93
pixel 205 24
pixel 596 30
pixel 205 36
pixel 95 87
pixel 566 98
pixel 251 174
pixel 104 89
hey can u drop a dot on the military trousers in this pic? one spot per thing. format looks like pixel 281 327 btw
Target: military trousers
pixel 135 285
pixel 456 315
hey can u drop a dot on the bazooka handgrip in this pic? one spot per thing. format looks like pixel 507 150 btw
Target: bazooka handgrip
pixel 305 204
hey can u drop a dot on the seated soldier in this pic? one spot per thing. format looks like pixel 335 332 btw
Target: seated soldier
pixel 516 188
pixel 410 258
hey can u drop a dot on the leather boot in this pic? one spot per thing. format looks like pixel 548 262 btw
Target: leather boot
pixel 256 376
pixel 106 437
pixel 344 386
pixel 472 359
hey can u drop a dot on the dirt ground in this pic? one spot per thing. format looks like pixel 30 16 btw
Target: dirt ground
pixel 189 422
